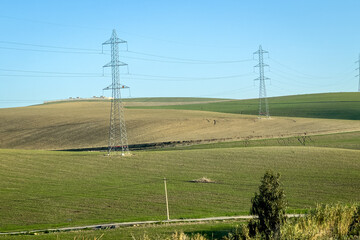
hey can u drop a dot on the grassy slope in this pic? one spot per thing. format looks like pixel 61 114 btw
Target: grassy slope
pixel 41 189
pixel 85 124
pixel 326 105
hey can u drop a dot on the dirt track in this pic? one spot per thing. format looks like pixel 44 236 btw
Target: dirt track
pixel 129 224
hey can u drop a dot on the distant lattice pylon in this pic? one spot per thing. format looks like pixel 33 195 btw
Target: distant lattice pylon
pixel 263 102
pixel 117 130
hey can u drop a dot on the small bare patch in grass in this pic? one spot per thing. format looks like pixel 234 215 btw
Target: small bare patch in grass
pixel 203 180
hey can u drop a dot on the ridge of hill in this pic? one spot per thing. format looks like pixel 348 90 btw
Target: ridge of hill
pixel 343 105
pixel 149 101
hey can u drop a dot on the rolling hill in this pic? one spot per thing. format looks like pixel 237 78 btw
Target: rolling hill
pixel 83 124
pixel 323 105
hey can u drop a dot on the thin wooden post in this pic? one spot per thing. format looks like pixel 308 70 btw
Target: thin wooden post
pixel 167 202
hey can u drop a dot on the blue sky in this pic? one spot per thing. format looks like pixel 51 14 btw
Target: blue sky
pixel 206 48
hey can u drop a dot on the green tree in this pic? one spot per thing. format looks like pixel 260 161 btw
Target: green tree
pixel 269 205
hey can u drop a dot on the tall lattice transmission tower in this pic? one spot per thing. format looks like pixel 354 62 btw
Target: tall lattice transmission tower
pixel 358 61
pixel 263 102
pixel 117 130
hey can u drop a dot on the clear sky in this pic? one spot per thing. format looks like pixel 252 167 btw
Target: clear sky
pixel 52 49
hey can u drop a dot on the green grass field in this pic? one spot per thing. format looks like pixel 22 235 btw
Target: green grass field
pixel 41 189
pixel 325 105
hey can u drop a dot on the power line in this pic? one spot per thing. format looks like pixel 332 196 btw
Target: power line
pixel 51 76
pixel 49 46
pixel 195 61
pixel 290 68
pixel 129 57
pixel 227 92
pixel 52 23
pixel 33 71
pixel 47 51
pixel 306 75
pixel 307 84
pixel 299 84
pixel 98 51
pixel 295 79
pixel 130 75
pixel 174 78
pixel 170 80
pixel 184 62
pixel 128 33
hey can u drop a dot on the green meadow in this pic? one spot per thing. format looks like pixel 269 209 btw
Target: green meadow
pixel 42 189
pixel 324 105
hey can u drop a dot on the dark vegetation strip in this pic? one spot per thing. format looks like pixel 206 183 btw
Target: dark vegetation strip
pixel 348 140
pixel 150 146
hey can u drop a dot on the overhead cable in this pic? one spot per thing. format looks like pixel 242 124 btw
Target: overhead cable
pixel 42 72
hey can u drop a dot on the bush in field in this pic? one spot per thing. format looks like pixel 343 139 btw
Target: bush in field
pixel 355 224
pixel 336 221
pixel 175 236
pixel 325 222
pixel 269 205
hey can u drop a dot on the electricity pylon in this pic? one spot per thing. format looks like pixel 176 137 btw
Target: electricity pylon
pixel 117 130
pixel 263 102
pixel 358 61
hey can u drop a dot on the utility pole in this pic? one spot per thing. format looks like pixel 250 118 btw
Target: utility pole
pixel 358 61
pixel 263 102
pixel 117 130
pixel 167 202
